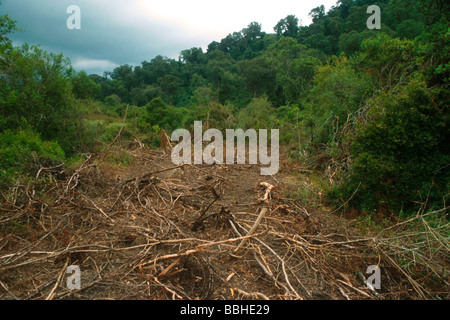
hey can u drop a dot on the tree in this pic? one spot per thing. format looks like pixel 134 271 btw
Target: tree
pixel 157 68
pixel 258 114
pixel 356 19
pixel 7 26
pixel 36 91
pixel 257 74
pixel 83 87
pixel 410 29
pixel 391 61
pixel 163 115
pixel 287 27
pixel 294 68
pixel 338 91
pixel 317 13
pixel 435 10
pixel 253 32
pixel 254 40
pixel 436 42
pixel 350 43
pixel 233 44
pixel 193 55
pixel 170 85
pixel 218 64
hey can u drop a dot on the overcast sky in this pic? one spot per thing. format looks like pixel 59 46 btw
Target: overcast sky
pixel 116 32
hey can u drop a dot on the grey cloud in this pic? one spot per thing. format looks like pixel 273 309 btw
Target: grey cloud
pixel 111 34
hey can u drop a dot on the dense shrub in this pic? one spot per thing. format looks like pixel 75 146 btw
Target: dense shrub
pixel 36 91
pixel 24 152
pixel 83 87
pixel 400 155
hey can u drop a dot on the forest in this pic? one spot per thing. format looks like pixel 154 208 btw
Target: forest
pixel 364 111
pixel 369 107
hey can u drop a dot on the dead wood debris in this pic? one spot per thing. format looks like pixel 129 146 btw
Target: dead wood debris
pixel 187 232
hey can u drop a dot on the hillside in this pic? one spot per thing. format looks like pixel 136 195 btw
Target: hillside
pixel 87 178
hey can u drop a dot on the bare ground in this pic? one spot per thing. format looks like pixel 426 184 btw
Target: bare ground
pixel 153 230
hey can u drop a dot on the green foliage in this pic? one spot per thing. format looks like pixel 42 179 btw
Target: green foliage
pixel 410 29
pixel 258 114
pixel 24 152
pixel 389 60
pixel 84 87
pixel 436 40
pixel 287 27
pixel 257 74
pixel 36 91
pixel 112 100
pixel 350 43
pixel 7 26
pixel 217 115
pixel 163 115
pixel 380 125
pixel 338 91
pixel 294 66
pixel 400 156
pixel 370 106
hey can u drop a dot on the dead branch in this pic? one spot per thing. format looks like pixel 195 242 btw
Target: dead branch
pixel 252 294
pixel 269 188
pixel 255 225
pixel 63 270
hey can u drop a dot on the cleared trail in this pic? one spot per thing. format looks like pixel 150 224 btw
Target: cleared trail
pixel 153 230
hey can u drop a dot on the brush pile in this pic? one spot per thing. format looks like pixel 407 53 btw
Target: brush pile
pixel 154 230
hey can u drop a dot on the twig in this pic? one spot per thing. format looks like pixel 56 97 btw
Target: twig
pixel 64 269
pixel 255 225
pixel 51 168
pixel 199 220
pixel 7 290
pixel 98 208
pixel 252 294
pixel 191 251
pixel 356 190
pixel 153 173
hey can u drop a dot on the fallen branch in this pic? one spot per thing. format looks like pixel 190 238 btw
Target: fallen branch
pixel 191 251
pixel 255 225
pixel 52 293
pixel 252 294
pixel 269 189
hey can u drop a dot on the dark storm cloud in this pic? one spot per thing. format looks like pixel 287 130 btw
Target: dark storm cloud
pixel 112 32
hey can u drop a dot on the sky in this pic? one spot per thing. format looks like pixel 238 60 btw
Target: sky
pixel 118 32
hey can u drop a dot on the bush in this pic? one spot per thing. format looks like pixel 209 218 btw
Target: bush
pixel 83 87
pixel 401 155
pixel 165 116
pixel 36 91
pixel 24 153
pixel 258 114
pixel 338 91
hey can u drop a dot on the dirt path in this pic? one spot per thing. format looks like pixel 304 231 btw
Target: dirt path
pixel 154 230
